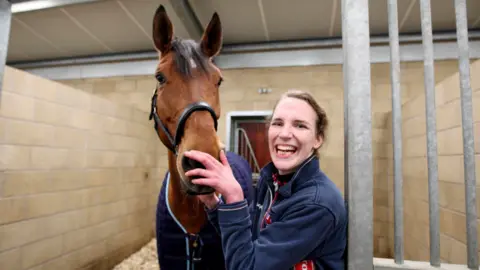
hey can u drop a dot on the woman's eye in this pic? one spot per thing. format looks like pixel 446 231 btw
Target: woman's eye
pixel 161 78
pixel 219 81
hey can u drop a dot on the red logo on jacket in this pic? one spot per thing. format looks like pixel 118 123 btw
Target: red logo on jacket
pixel 304 265
pixel 267 220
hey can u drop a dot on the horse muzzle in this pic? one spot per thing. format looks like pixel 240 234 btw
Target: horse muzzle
pixel 188 164
pixel 194 190
pixel 200 190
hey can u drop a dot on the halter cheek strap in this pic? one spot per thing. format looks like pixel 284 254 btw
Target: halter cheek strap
pixel 158 122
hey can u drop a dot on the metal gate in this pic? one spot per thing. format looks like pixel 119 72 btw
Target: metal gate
pixel 358 137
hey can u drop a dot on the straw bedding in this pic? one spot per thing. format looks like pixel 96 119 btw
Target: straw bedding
pixel 144 259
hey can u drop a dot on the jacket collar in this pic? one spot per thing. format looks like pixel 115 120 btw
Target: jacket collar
pixel 306 169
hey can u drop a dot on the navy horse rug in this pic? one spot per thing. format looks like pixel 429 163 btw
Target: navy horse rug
pixel 173 242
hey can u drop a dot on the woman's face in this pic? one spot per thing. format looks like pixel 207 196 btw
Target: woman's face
pixel 292 134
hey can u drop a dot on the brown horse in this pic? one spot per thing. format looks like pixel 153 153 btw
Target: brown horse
pixel 186 108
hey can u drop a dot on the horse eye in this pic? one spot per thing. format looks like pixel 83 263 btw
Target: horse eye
pixel 220 82
pixel 161 78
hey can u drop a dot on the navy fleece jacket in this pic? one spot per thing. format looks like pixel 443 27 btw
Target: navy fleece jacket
pixel 308 222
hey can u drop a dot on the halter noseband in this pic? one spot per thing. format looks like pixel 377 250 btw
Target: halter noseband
pixel 174 141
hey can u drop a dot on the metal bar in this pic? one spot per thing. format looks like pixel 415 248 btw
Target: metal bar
pixel 5 21
pixel 378 54
pixel 345 102
pixel 397 130
pixel 345 119
pixel 468 135
pixel 229 49
pixel 429 83
pixel 186 14
pixel 389 264
pixel 27 6
pixel 359 129
pixel 332 42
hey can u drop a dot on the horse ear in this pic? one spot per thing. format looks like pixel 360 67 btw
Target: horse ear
pixel 212 37
pixel 162 30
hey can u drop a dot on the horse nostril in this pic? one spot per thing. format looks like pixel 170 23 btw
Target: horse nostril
pixel 189 164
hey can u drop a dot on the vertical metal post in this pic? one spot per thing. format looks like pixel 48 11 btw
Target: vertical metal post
pixel 397 130
pixel 5 20
pixel 345 101
pixel 429 82
pixel 359 129
pixel 467 129
pixel 345 117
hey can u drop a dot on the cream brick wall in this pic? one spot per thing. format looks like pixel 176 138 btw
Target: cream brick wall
pixel 79 177
pixel 450 171
pixel 239 92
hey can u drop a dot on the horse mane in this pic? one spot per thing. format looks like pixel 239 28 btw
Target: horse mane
pixel 187 51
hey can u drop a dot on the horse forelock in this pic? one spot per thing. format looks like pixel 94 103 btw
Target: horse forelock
pixel 188 56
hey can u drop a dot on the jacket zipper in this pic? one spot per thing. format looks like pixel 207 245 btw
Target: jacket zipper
pixel 272 201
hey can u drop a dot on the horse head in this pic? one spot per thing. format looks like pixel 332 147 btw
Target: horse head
pixel 185 104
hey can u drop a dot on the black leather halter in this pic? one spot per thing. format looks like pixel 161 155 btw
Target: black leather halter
pixel 175 141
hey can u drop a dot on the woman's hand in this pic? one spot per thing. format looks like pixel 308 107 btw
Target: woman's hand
pixel 210 200
pixel 217 175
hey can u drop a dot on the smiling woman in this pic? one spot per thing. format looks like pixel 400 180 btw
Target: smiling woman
pixel 298 219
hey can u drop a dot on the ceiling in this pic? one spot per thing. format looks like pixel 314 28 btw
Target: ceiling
pixel 124 26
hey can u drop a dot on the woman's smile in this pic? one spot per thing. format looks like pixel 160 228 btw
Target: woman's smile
pixel 285 151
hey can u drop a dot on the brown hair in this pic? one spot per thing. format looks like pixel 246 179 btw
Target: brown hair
pixel 322 120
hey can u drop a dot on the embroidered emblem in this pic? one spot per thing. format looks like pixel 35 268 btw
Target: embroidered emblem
pixel 268 219
pixel 304 265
